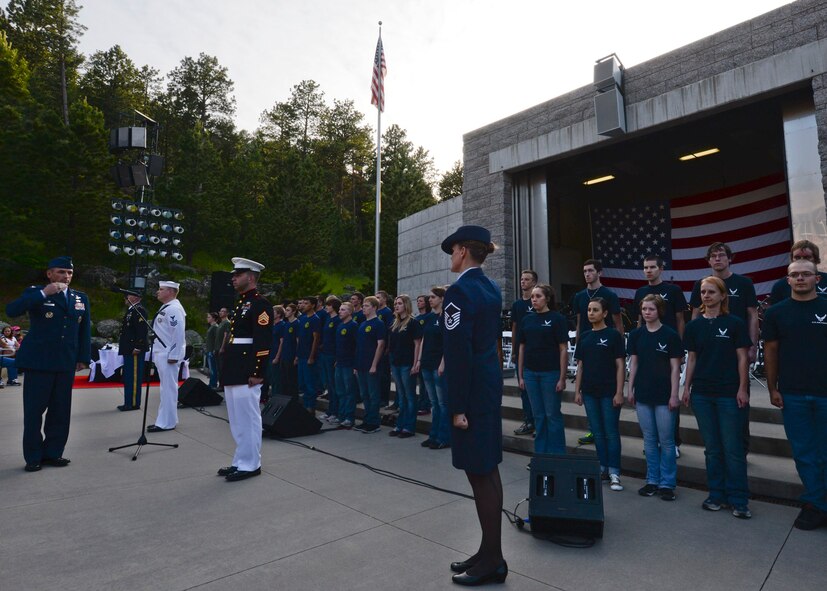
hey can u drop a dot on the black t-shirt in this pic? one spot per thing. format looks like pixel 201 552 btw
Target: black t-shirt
pixel 673 299
pixel 401 343
pixel 580 304
pixel 655 351
pixel 741 294
pixel 715 342
pixel 346 343
pixel 801 331
pixel 598 352
pixel 542 335
pixel 431 324
pixel 519 310
pixel 781 289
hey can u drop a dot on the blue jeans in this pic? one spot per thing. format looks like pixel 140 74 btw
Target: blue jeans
pixel 721 424
pixel 307 383
pixel 658 426
pixel 805 422
pixel 9 364
pixel 405 397
pixel 273 379
pixel 326 362
pixel 345 392
pixel 369 388
pixel 423 401
pixel 440 417
pixel 603 421
pixel 549 431
pixel 212 366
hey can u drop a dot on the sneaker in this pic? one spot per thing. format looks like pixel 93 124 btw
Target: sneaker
pixel 346 424
pixel 586 439
pixel 393 406
pixel 334 420
pixel 650 490
pixel 324 416
pixel 614 479
pixel 713 505
pixel 810 518
pixel 427 442
pixel 741 512
pixel 677 451
pixel 439 445
pixel 394 433
pixel 405 434
pixel 423 412
pixel 371 429
pixel 524 429
pixel 361 426
pixel 12 383
pixel 666 494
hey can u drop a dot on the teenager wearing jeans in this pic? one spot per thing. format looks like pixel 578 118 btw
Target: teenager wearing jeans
pixel 429 368
pixel 601 371
pixel 404 343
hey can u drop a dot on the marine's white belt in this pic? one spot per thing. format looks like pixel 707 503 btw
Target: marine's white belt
pixel 242 341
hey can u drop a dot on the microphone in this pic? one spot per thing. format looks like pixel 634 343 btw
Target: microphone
pixel 123 291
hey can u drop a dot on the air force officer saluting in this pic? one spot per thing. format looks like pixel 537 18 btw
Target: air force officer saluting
pixel 169 325
pixel 57 345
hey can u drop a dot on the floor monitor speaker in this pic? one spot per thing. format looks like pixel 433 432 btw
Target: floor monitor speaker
pixel 566 496
pixel 194 392
pixel 284 416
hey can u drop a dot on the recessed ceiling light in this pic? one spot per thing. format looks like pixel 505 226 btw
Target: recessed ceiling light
pixel 601 179
pixel 700 154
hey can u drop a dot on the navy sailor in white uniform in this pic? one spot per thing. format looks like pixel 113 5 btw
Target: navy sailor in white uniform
pixel 170 325
pixel 473 372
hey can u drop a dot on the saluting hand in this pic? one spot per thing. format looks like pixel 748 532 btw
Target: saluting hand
pixel 54 288
pixel 461 421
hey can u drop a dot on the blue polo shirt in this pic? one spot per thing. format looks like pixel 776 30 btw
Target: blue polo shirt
pixel 359 317
pixel 278 333
pixel 288 346
pixel 542 335
pixel 346 343
pixel 308 325
pixel 329 326
pixel 370 333
pixel 655 351
pixel 715 342
pixel 801 331
pixel 386 314
pixel 598 351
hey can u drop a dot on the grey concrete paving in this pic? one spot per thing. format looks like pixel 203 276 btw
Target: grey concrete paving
pixel 312 521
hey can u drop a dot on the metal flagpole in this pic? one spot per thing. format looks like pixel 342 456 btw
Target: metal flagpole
pixel 378 169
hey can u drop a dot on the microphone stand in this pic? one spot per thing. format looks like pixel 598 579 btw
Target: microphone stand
pixel 142 439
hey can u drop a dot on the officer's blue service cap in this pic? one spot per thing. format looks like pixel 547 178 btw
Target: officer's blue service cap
pixel 476 233
pixel 240 265
pixel 60 263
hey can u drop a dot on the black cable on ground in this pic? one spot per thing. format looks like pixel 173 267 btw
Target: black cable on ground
pixel 512 516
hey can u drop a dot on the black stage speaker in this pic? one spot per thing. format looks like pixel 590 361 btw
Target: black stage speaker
pixel 194 392
pixel 566 496
pixel 222 293
pixel 284 416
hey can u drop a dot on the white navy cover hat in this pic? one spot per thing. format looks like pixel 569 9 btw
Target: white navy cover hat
pixel 240 264
pixel 171 284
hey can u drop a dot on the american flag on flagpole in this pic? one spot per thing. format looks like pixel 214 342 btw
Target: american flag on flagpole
pixel 752 218
pixel 377 83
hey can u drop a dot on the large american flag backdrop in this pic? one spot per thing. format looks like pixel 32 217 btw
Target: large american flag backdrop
pixel 752 218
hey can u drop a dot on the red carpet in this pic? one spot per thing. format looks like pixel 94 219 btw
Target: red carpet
pixel 83 383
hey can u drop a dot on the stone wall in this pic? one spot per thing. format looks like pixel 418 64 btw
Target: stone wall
pixel 780 48
pixel 421 263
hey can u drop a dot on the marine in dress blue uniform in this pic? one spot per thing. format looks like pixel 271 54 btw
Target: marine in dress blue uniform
pixel 133 346
pixel 57 345
pixel 245 364
pixel 471 313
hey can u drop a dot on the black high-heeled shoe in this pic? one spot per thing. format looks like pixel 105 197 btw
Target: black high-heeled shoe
pixel 461 567
pixel 496 576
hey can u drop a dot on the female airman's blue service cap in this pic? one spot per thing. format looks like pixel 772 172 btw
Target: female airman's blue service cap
pixel 476 233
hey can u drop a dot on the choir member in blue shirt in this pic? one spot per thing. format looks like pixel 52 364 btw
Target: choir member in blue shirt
pixel 345 359
pixel 370 347
pixel 430 361
pixel 327 358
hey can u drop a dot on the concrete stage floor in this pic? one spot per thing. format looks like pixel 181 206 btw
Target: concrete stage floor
pixel 167 522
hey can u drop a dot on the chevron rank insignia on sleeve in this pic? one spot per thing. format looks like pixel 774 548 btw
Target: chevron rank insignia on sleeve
pixel 263 319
